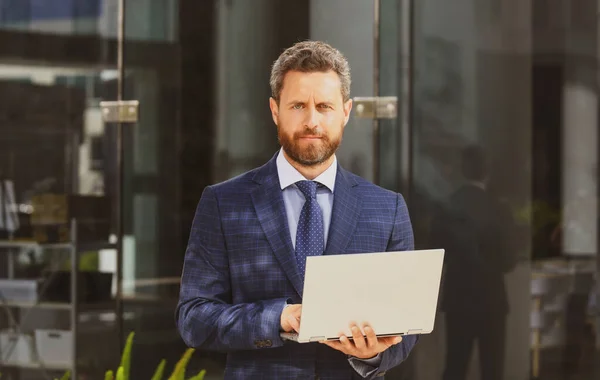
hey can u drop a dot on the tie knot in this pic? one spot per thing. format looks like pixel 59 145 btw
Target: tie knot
pixel 308 188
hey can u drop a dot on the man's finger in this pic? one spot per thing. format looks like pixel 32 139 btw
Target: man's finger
pixel 371 336
pixel 294 322
pixel 359 340
pixel 346 345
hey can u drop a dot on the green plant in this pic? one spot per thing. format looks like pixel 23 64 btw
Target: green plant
pixel 66 376
pixel 179 371
pixel 180 367
pixel 120 374
pixel 158 374
pixel 538 214
pixel 126 357
pixel 88 262
pixel 199 376
pixel 125 366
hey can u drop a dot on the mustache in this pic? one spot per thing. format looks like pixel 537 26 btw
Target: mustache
pixel 309 132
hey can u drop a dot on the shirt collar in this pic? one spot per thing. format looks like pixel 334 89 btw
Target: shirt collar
pixel 288 175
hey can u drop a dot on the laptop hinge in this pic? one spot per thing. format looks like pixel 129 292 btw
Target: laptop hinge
pixel 414 332
pixel 316 338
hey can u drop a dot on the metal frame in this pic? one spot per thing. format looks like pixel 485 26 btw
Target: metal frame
pixel 406 98
pixel 376 131
pixel 120 177
pixel 404 105
pixel 74 296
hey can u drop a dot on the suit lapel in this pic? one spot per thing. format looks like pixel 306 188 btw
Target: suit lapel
pixel 345 213
pixel 270 209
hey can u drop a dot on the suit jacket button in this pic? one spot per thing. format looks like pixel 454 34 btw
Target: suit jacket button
pixel 268 343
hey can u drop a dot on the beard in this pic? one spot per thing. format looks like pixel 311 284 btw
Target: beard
pixel 315 153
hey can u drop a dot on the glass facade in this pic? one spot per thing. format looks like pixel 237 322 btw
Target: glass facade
pixel 495 147
pixel 504 175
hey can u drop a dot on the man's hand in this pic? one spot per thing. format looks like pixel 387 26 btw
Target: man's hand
pixel 360 347
pixel 290 318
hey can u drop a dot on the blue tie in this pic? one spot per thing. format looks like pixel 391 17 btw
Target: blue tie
pixel 310 240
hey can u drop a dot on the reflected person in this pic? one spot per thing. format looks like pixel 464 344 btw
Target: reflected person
pixel 475 231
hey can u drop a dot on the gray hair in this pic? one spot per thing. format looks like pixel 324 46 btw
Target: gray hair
pixel 310 57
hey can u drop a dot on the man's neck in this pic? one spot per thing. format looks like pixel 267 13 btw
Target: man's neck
pixel 310 172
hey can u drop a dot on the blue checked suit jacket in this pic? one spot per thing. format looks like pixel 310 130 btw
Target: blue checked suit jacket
pixel 240 270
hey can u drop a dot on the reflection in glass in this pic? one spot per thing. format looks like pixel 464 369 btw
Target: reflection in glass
pixel 512 89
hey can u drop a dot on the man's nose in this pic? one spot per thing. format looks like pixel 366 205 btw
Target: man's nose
pixel 312 117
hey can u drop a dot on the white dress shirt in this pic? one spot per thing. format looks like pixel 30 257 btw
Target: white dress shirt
pixel 294 199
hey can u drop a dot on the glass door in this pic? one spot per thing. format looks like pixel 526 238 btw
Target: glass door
pixel 495 145
pixel 58 186
pixel 165 155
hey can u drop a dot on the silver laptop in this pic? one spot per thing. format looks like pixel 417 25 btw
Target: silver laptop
pixel 395 292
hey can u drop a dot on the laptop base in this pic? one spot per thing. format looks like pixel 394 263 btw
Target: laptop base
pixel 294 337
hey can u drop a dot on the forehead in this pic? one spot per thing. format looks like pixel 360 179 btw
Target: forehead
pixel 318 84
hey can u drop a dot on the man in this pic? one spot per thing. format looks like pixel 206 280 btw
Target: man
pixel 244 266
pixel 475 231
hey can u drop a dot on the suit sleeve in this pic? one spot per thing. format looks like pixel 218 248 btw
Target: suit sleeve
pixel 205 315
pixel 402 239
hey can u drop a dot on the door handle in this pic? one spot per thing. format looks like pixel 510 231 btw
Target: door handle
pixel 120 111
pixel 376 107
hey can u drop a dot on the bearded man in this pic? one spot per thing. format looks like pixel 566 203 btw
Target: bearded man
pixel 244 266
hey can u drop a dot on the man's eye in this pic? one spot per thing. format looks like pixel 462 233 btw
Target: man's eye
pixel 325 106
pixel 297 106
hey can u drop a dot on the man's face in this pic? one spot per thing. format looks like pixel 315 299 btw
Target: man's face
pixel 311 116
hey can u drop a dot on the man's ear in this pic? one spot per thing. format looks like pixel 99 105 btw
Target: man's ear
pixel 347 109
pixel 274 109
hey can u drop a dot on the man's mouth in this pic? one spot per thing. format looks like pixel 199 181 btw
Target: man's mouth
pixel 311 137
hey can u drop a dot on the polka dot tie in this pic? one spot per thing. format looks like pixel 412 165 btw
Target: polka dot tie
pixel 310 240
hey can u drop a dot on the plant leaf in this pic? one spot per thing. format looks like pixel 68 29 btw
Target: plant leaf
pixel 126 357
pixel 199 376
pixel 160 370
pixel 179 371
pixel 120 375
pixel 109 375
